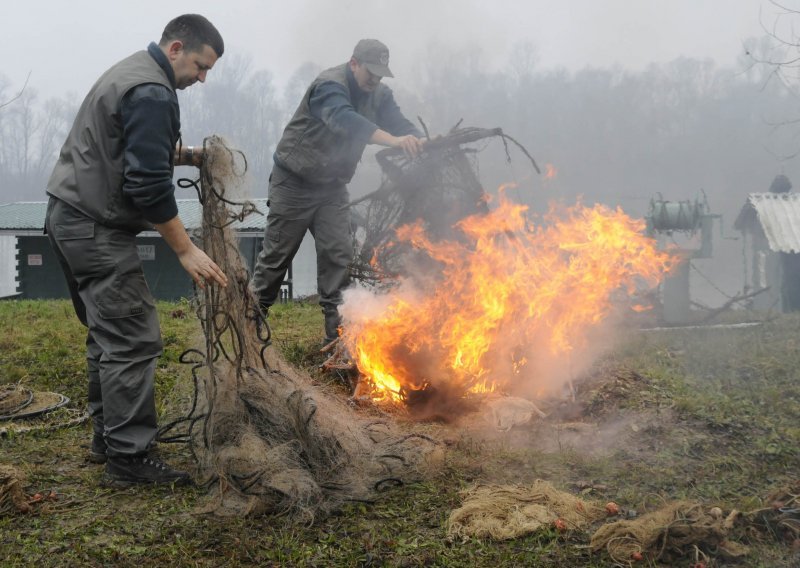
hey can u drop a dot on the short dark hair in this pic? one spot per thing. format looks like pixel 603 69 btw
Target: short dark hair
pixel 194 31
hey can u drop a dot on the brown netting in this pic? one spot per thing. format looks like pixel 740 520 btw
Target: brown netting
pixel 13 398
pixel 12 497
pixel 780 518
pixel 265 437
pixel 439 187
pixel 503 512
pixel 675 530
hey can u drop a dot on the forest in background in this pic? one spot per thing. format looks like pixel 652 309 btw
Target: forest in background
pixel 677 130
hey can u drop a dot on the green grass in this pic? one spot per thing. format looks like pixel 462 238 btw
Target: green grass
pixel 718 414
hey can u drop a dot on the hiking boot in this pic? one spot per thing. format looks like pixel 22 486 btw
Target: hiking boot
pixel 333 321
pixel 97 451
pixel 142 469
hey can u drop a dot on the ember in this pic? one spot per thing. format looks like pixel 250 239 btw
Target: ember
pixel 507 301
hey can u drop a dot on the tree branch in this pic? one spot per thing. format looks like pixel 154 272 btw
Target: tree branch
pixel 18 95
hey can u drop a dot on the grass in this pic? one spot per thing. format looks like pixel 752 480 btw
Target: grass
pixel 707 415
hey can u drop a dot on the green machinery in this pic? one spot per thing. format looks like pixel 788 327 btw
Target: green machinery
pixel 691 220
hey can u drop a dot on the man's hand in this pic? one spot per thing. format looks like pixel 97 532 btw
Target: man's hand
pixel 410 144
pixel 201 268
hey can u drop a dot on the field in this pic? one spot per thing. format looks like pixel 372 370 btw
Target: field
pixel 707 415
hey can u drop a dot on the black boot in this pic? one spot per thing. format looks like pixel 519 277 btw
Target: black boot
pixel 332 323
pixel 141 469
pixel 97 452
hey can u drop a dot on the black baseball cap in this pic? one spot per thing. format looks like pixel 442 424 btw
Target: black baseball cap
pixel 375 55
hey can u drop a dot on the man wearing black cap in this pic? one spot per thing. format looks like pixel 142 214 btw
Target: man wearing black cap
pixel 344 109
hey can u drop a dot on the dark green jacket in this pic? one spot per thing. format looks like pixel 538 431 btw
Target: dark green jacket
pixel 90 172
pixel 323 150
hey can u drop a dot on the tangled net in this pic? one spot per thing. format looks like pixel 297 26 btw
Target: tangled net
pixel 12 497
pixel 503 512
pixel 439 187
pixel 673 531
pixel 265 438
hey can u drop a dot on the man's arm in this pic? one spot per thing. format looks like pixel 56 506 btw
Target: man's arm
pixel 391 118
pixel 330 104
pixel 199 266
pixel 410 144
pixel 150 124
pixel 392 121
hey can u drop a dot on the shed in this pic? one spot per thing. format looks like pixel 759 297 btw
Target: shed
pixel 38 274
pixel 770 225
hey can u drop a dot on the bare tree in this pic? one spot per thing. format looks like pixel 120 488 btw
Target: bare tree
pixel 19 94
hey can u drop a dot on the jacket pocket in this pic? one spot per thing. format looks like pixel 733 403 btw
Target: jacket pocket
pixel 84 230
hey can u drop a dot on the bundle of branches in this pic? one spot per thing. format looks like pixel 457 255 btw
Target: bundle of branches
pixel 266 439
pixel 439 187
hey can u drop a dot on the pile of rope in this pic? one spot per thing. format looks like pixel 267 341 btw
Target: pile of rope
pixel 675 530
pixel 781 518
pixel 12 497
pixel 267 440
pixel 503 512
pixel 23 410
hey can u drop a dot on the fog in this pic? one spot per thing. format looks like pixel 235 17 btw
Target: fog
pixel 626 100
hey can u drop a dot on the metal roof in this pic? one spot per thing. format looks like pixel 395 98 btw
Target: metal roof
pixel 778 215
pixel 27 217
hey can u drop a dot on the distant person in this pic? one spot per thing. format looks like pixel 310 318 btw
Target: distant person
pixel 112 180
pixel 345 108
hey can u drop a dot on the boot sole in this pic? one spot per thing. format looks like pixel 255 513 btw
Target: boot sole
pixel 119 482
pixel 94 457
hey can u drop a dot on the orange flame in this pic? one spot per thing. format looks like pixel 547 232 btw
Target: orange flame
pixel 508 295
pixel 550 171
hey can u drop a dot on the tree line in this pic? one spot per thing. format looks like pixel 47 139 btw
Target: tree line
pixel 613 135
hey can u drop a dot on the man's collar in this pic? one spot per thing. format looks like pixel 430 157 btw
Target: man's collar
pixel 156 53
pixel 355 91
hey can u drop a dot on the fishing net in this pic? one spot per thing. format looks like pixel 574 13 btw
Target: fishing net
pixel 439 187
pixel 266 439
pixel 502 512
pixel 12 497
pixel 675 530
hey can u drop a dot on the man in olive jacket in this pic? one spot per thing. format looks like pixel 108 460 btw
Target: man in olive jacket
pixel 113 179
pixel 344 109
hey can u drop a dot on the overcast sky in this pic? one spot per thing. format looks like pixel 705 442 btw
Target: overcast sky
pixel 66 45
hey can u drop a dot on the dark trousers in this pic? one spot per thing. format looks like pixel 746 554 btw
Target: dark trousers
pixel 111 298
pixel 294 208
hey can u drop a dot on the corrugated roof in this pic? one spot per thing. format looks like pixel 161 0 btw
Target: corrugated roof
pixel 778 214
pixel 26 216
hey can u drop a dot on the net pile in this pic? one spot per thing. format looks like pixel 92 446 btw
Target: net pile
pixel 503 512
pixel 439 187
pixel 12 497
pixel 266 439
pixel 673 531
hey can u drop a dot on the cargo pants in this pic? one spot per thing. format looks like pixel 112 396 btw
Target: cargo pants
pixel 111 298
pixel 294 208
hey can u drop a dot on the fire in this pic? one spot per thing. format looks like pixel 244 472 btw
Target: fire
pixel 508 295
pixel 550 171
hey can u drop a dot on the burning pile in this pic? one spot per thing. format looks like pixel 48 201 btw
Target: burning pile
pixel 501 306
